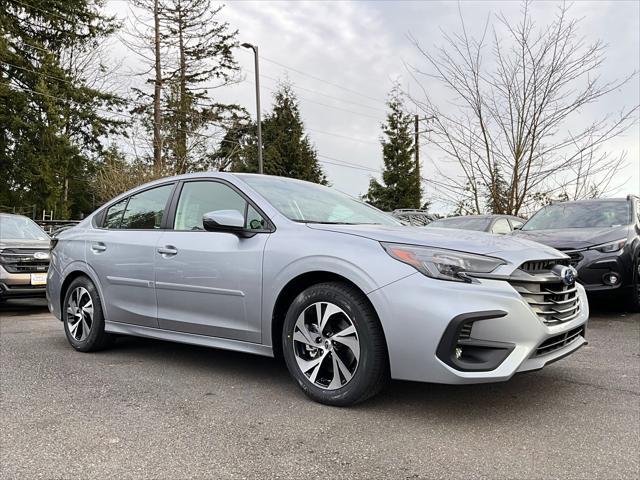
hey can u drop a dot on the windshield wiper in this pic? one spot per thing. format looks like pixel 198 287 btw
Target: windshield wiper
pixel 333 223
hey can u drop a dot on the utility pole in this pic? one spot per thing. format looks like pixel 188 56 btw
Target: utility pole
pixel 416 141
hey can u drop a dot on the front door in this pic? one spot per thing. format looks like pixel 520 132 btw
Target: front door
pixel 210 283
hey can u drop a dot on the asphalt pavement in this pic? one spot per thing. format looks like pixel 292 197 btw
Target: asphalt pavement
pixel 152 409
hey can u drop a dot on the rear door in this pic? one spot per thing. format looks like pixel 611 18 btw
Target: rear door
pixel 122 250
pixel 210 283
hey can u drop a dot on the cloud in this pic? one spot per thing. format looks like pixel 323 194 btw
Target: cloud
pixel 361 47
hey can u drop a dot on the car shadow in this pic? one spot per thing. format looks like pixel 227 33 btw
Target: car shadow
pixel 524 392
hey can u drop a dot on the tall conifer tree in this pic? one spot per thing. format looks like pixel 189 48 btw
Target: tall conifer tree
pixel 400 187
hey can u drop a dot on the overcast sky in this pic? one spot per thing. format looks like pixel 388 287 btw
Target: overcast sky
pixel 343 57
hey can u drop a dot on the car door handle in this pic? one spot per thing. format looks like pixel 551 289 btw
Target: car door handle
pixel 168 251
pixel 98 247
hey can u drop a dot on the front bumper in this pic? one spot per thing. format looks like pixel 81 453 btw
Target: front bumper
pixel 18 285
pixel 595 267
pixel 417 311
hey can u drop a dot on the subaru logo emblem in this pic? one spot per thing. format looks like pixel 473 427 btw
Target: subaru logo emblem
pixel 41 255
pixel 567 274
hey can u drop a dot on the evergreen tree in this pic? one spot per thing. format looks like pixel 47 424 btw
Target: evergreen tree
pixel 52 120
pixel 400 187
pixel 288 152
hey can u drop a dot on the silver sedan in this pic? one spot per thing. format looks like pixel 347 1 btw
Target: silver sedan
pixel 347 295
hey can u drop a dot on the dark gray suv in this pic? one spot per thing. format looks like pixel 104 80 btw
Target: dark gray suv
pixel 602 237
pixel 24 257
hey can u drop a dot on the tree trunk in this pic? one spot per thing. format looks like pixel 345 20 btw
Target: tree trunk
pixel 181 134
pixel 157 115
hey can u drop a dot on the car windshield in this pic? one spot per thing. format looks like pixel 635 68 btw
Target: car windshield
pixel 580 215
pixel 464 223
pixel 20 228
pixel 312 203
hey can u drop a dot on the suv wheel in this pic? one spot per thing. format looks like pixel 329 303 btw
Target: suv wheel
pixel 333 345
pixel 634 300
pixel 83 318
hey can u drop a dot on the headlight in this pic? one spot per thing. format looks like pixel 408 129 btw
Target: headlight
pixel 610 247
pixel 441 263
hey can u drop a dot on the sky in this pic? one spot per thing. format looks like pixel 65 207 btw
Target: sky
pixel 343 58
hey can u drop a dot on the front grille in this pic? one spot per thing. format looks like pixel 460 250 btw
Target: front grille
pixel 21 260
pixel 542 266
pixel 552 300
pixel 575 257
pixel 559 341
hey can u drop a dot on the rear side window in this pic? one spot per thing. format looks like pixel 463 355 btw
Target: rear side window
pixel 145 210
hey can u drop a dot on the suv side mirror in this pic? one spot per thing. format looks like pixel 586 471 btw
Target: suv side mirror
pixel 231 221
pixel 517 227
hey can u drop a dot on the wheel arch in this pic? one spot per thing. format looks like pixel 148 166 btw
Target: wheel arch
pixel 293 288
pixel 73 271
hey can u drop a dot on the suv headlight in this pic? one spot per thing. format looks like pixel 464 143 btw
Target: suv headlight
pixel 441 263
pixel 610 246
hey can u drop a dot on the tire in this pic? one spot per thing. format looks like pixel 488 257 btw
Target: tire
pixel 634 291
pixel 351 343
pixel 83 318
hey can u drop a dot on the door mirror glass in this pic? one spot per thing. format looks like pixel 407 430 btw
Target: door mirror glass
pixel 223 221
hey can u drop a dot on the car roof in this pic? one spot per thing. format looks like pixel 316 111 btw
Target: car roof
pixel 593 200
pixel 6 214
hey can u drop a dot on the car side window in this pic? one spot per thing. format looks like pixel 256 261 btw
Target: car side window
pixel 516 224
pixel 501 226
pixel 254 220
pixel 198 198
pixel 114 214
pixel 146 209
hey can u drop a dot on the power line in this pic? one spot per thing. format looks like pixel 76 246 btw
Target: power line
pixel 337 85
pixel 311 90
pixel 195 103
pixel 329 160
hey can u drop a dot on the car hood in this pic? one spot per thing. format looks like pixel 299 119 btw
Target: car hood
pixel 511 249
pixel 22 243
pixel 574 238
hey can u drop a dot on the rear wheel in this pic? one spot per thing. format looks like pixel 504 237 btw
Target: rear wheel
pixel 334 346
pixel 83 318
pixel 634 300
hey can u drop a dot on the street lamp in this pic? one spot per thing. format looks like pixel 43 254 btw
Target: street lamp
pixel 257 70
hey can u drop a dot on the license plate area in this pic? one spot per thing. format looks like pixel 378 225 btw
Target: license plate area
pixel 38 279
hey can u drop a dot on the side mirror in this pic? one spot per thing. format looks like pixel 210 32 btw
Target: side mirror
pixel 517 227
pixel 231 221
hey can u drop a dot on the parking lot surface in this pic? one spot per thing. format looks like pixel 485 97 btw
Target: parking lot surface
pixel 151 409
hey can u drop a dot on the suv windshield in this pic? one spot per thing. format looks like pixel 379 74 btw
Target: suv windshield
pixel 464 223
pixel 312 203
pixel 20 228
pixel 590 214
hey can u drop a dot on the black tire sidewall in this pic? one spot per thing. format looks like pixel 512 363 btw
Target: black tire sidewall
pixel 96 335
pixel 367 325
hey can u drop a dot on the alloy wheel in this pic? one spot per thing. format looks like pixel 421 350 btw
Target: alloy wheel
pixel 326 345
pixel 80 313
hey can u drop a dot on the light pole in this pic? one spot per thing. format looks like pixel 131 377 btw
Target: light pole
pixel 257 70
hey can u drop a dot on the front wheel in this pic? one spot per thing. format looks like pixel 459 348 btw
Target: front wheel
pixel 334 346
pixel 83 318
pixel 634 299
